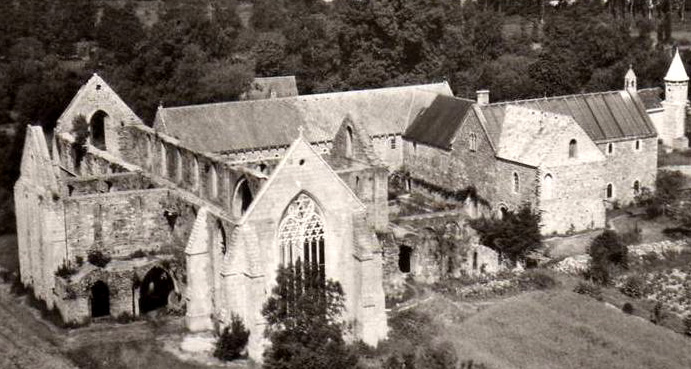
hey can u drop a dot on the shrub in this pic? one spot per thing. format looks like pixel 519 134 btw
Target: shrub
pixel 631 237
pixel 658 314
pixel 137 254
pixel 98 258
pixel 606 250
pixel 233 340
pixel 627 308
pixel 536 279
pixel 80 130
pixel 589 289
pixel 513 236
pixel 634 287
pixel 65 271
pixel 687 325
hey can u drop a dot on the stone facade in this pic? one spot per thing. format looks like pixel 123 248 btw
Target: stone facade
pixel 193 229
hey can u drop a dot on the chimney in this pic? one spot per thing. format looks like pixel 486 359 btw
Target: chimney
pixel 482 97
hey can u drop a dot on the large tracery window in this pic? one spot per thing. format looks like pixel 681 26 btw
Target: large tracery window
pixel 301 234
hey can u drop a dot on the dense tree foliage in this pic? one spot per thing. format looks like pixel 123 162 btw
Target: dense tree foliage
pixel 304 322
pixel 513 236
pixel 607 251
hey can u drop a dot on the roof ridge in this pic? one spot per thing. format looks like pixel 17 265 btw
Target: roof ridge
pixel 499 103
pixel 306 97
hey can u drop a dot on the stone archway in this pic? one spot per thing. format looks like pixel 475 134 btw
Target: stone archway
pixel 100 299
pixel 155 290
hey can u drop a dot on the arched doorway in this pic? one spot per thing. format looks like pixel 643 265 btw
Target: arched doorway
pixel 98 129
pixel 100 299
pixel 154 290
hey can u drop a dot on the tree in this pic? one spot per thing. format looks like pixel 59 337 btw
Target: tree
pixel 606 251
pixel 513 236
pixel 233 340
pixel 304 323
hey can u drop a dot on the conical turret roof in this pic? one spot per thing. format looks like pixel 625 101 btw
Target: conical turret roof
pixel 676 72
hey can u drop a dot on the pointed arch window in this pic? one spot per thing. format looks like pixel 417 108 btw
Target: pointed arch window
pixel 164 160
pixel 573 148
pixel 349 142
pixel 636 188
pixel 610 191
pixel 301 233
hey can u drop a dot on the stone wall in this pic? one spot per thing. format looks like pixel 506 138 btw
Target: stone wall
pixel 527 192
pixel 109 183
pixel 625 165
pixel 458 168
pixel 118 223
pixel 390 150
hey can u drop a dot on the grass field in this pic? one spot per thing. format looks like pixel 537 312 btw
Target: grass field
pixel 561 329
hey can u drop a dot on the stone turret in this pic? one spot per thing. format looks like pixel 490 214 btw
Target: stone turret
pixel 672 131
pixel 630 81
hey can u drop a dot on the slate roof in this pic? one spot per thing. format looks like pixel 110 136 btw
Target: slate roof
pixel 244 125
pixel 651 97
pixel 271 87
pixel 603 116
pixel 437 125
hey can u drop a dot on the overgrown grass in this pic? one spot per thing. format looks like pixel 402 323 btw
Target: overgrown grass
pixel 562 329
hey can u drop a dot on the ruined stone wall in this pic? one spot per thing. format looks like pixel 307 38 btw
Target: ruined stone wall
pixel 626 165
pixel 527 186
pixel 371 187
pixel 458 168
pixel 119 223
pixel 109 183
pixel 96 97
pixel 95 162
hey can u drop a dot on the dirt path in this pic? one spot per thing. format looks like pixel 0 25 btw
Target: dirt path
pixel 23 340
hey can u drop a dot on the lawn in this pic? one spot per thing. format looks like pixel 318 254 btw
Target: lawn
pixel 561 329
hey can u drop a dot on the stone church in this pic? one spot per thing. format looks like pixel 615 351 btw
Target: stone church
pixel 198 211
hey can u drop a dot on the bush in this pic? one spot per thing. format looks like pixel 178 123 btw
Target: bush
pixel 233 340
pixel 65 271
pixel 606 250
pixel 98 258
pixel 658 314
pixel 589 289
pixel 513 236
pixel 634 287
pixel 137 254
pixel 627 308
pixel 535 279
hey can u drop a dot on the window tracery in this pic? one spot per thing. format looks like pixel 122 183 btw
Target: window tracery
pixel 301 233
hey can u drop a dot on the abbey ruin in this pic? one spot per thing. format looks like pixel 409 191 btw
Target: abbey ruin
pixel 199 209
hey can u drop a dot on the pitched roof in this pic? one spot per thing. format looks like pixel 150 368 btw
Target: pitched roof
pixel 437 125
pixel 244 125
pixel 271 87
pixel 676 71
pixel 603 115
pixel 651 97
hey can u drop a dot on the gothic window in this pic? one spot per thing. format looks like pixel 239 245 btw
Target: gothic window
pixel 610 191
pixel 178 166
pixel 242 198
pixel 301 233
pixel 349 142
pixel 392 142
pixel 516 183
pixel 636 188
pixel 195 173
pixel 573 148
pixel 472 142
pixel 610 148
pixel 221 239
pixel 547 187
